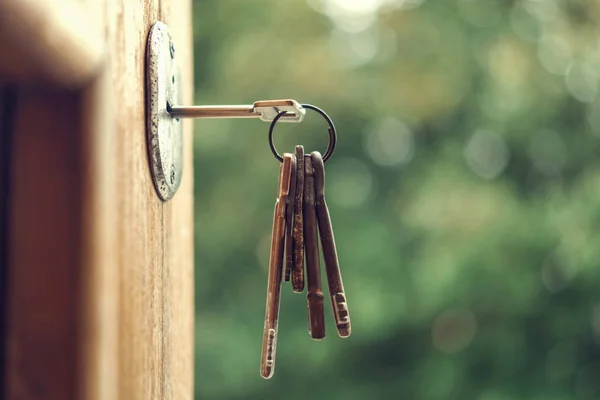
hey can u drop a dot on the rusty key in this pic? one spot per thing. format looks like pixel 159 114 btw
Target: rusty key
pixel 332 266
pixel 289 223
pixel 298 228
pixel 311 244
pixel 269 344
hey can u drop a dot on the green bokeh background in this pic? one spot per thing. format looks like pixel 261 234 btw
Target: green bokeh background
pixel 464 194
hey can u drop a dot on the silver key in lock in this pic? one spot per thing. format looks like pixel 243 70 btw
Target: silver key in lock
pixel 165 111
pixel 266 110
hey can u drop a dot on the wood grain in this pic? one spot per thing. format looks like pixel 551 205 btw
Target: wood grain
pixel 155 238
pixel 101 271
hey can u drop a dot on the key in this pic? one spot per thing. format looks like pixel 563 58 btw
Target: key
pixel 332 266
pixel 266 110
pixel 269 109
pixel 298 228
pixel 269 345
pixel 289 223
pixel 311 244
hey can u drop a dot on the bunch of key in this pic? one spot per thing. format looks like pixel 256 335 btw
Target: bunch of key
pixel 301 216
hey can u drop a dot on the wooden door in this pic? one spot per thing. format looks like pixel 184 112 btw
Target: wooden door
pixel 97 271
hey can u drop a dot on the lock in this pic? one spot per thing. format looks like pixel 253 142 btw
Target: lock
pixel 165 111
pixel 164 133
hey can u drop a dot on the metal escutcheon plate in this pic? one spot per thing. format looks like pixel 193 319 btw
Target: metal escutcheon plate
pixel 165 134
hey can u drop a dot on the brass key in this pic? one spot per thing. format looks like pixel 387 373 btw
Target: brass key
pixel 311 243
pixel 298 228
pixel 267 365
pixel 332 266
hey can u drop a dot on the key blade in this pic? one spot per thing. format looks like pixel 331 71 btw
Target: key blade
pixel 332 264
pixel 275 270
pixel 269 109
pixel 298 268
pixel 311 254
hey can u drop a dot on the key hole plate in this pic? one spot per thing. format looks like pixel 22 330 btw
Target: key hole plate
pixel 164 133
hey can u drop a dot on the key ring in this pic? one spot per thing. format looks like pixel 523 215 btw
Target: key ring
pixel 331 130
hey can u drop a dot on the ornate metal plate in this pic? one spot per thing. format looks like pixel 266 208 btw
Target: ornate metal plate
pixel 165 134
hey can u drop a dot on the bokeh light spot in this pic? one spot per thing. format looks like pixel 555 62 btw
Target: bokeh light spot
pixel 524 24
pixel 357 6
pixel 554 53
pixel 545 10
pixel 582 82
pixel 487 154
pixel 508 63
pixel 354 49
pixel 352 15
pixel 593 117
pixel 390 143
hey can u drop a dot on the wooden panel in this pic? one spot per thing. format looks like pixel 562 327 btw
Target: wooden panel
pixel 99 280
pixel 54 41
pixel 156 285
pixel 101 271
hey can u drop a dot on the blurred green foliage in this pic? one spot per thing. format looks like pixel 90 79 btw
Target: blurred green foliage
pixel 464 194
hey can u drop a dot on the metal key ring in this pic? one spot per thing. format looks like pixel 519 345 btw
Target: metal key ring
pixel 331 129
